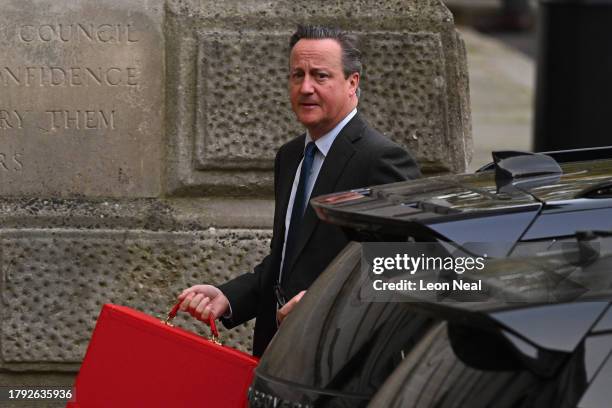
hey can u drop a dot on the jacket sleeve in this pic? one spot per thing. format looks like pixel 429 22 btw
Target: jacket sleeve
pixel 244 291
pixel 243 294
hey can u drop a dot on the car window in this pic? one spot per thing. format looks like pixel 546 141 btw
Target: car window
pixel 433 376
pixel 567 223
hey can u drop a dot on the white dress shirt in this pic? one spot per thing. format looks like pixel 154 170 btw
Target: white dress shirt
pixel 323 144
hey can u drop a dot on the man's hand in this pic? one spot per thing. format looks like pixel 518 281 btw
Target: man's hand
pixel 202 300
pixel 285 310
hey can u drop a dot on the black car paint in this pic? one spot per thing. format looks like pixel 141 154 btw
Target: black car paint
pixel 332 370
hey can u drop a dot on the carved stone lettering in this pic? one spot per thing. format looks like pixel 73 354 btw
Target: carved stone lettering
pixel 86 119
pixel 78 32
pixel 30 76
pixel 11 119
pixel 11 162
pixel 81 97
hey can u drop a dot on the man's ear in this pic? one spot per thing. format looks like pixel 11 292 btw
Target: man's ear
pixel 353 83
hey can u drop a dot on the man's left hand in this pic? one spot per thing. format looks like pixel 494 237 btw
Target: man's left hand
pixel 285 310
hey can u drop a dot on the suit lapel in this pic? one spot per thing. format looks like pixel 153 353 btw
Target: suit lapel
pixel 338 156
pixel 290 162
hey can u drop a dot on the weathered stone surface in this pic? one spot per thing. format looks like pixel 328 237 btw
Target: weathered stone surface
pixel 241 132
pixel 142 214
pixel 107 106
pixel 81 98
pixel 228 103
pixel 55 282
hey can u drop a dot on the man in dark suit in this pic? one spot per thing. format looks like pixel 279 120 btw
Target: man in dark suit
pixel 338 152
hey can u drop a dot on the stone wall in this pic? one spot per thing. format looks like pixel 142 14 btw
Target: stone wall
pixel 137 140
pixel 81 110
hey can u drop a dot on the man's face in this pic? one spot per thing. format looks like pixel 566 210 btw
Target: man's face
pixel 320 94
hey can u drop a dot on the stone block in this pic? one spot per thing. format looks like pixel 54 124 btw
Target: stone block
pixel 81 98
pixel 56 281
pixel 239 120
pixel 228 101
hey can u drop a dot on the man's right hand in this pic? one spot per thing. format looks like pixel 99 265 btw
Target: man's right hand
pixel 202 300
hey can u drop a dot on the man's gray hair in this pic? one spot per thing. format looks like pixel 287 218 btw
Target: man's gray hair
pixel 351 55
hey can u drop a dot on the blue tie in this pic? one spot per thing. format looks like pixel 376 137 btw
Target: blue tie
pixel 299 206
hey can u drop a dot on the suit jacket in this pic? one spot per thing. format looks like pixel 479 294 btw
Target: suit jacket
pixel 359 157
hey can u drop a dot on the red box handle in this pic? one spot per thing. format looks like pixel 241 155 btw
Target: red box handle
pixel 210 322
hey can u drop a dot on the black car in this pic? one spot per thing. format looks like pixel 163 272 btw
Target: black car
pixel 543 339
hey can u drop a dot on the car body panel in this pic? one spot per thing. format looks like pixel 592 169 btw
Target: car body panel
pixel 544 334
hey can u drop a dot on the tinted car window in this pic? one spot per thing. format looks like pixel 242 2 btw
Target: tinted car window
pixel 433 376
pixel 563 224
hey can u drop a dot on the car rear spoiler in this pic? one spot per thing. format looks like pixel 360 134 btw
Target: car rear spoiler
pixel 560 156
pixel 367 216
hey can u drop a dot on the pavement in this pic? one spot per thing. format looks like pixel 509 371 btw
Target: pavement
pixel 468 12
pixel 502 81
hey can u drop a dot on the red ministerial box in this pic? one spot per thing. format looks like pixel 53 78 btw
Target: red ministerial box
pixel 135 360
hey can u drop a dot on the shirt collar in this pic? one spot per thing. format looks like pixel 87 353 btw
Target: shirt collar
pixel 324 142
